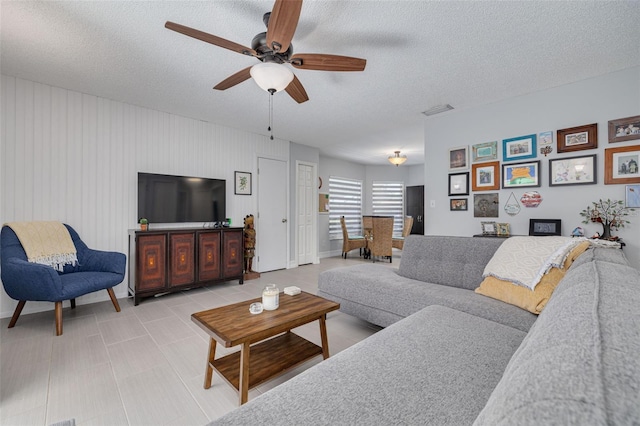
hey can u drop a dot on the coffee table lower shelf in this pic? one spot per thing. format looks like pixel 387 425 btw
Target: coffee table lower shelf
pixel 267 359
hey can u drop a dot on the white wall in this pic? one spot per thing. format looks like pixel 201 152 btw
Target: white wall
pixel 596 100
pixel 74 157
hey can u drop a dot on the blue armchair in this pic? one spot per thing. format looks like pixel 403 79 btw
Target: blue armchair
pixel 23 280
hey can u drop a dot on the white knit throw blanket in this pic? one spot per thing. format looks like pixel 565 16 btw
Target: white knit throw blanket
pixel 46 243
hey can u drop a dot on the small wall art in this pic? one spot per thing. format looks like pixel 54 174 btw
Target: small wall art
pixel 459 158
pixel 458 204
pixel 573 171
pixel 545 141
pixel 519 148
pixel 485 205
pixel 242 183
pixel 624 129
pixel 486 151
pixel 521 175
pixel 503 229
pixel 488 228
pixel 578 138
pixel 632 196
pixel 621 165
pixel 485 176
pixel 544 227
pixel 531 199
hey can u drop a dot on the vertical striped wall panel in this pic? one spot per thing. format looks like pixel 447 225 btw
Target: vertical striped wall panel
pixel 74 157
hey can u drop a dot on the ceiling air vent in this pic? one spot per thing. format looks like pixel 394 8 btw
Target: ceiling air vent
pixel 437 110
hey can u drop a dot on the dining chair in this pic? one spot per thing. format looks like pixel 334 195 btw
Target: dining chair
pixel 398 242
pixel 350 243
pixel 381 243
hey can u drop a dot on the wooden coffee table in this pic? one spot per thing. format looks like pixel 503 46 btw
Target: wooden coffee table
pixel 258 362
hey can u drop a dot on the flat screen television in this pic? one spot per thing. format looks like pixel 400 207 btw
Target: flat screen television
pixel 181 199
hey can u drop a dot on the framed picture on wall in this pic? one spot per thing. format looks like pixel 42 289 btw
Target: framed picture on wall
pixel 482 152
pixel 632 196
pixel 519 148
pixel 578 138
pixel 485 176
pixel 242 183
pixel 459 183
pixel 621 165
pixel 458 204
pixel 459 158
pixel 624 129
pixel 573 171
pixel 521 175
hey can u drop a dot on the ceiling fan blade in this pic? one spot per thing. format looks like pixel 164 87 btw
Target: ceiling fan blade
pixel 296 91
pixel 322 62
pixel 234 79
pixel 210 38
pixel 283 23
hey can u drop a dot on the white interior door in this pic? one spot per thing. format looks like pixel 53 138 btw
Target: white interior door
pixel 306 213
pixel 272 226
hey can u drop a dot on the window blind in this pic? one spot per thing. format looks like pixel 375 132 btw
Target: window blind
pixel 345 199
pixel 388 200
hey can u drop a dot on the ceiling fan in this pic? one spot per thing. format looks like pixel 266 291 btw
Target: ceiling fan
pixel 273 48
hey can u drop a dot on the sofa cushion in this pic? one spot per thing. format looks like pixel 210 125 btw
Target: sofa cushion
pixel 579 364
pixel 452 261
pixel 535 300
pixel 391 296
pixel 435 367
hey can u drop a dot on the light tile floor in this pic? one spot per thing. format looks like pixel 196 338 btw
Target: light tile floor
pixel 144 365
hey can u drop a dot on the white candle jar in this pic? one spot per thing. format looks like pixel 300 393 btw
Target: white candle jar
pixel 270 297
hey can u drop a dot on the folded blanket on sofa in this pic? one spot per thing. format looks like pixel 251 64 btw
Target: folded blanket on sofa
pixel 524 260
pixel 46 243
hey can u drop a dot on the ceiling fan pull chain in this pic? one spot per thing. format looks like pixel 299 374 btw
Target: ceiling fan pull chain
pixel 271 92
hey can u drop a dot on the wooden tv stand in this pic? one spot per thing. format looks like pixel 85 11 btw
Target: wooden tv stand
pixel 170 260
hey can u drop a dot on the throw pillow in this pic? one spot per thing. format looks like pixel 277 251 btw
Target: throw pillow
pixel 535 300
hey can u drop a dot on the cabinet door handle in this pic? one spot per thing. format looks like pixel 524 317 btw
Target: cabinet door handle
pixel 284 220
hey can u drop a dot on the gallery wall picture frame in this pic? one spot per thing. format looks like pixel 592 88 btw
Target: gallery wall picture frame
pixel 503 229
pixel 621 165
pixel 459 183
pixel 632 196
pixel 624 129
pixel 489 228
pixel 519 148
pixel 459 158
pixel 482 152
pixel 573 171
pixel 242 183
pixel 458 204
pixel 521 175
pixel 545 227
pixel 485 176
pixel 486 205
pixel 577 138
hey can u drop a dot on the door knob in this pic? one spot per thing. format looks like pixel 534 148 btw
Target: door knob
pixel 284 220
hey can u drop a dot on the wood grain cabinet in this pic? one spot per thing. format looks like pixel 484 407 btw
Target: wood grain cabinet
pixel 168 260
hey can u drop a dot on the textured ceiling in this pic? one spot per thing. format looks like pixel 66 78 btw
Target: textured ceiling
pixel 419 54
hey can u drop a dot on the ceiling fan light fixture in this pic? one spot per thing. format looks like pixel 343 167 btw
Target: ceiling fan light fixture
pixel 397 159
pixel 271 76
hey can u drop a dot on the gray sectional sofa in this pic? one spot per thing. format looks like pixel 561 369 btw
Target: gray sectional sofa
pixel 449 356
